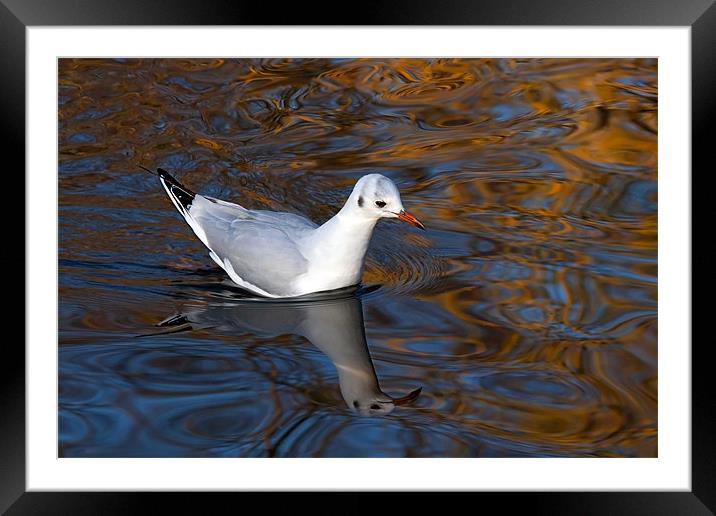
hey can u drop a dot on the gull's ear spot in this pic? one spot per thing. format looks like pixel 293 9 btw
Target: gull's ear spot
pixel 360 201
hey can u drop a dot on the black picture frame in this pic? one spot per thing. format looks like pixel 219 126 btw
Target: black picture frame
pixel 700 15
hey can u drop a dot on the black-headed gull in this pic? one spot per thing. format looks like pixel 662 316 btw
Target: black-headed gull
pixel 276 254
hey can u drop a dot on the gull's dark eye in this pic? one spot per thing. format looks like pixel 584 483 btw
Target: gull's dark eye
pixel 375 407
pixel 380 204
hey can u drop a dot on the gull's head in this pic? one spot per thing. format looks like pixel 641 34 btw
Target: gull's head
pixel 376 196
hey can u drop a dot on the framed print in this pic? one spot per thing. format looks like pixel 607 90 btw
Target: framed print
pixel 215 303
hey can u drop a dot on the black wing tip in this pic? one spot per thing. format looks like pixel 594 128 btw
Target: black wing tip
pixel 182 196
pixel 174 320
pixel 166 176
pixel 163 174
pixel 160 172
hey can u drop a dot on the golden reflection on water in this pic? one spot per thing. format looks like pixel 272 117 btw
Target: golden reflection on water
pixel 527 311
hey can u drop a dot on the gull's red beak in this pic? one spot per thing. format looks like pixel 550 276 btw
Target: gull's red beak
pixel 407 217
pixel 408 398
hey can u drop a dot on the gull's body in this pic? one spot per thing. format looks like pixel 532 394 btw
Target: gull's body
pixel 276 254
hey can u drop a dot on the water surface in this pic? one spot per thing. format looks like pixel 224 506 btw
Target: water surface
pixel 527 312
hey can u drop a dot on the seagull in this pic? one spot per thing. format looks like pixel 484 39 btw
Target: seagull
pixel 281 255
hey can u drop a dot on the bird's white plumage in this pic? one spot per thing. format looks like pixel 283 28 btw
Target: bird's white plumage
pixel 276 254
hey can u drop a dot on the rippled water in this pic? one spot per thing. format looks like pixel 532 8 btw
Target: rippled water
pixel 527 312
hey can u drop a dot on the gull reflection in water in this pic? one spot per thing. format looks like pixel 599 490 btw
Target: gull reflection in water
pixel 334 325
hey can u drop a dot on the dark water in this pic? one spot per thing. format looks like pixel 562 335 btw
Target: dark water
pixel 527 312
